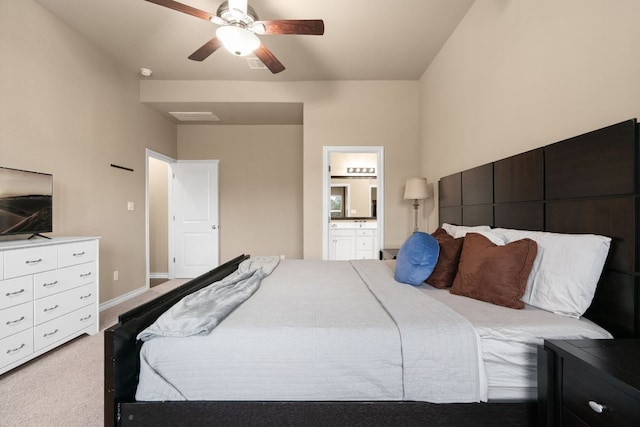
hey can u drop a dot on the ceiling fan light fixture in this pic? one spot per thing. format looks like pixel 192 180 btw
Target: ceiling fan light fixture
pixel 259 28
pixel 237 40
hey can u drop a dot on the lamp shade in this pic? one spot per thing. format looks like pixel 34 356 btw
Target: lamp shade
pixel 416 189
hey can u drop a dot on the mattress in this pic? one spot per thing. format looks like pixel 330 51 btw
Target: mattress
pixel 297 338
pixel 510 338
pixel 339 330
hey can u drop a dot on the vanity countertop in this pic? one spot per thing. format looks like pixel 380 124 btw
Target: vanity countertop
pixel 354 223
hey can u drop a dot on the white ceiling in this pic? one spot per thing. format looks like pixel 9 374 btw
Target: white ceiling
pixel 363 40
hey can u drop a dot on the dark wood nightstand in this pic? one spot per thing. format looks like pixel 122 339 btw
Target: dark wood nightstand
pixel 388 253
pixel 589 382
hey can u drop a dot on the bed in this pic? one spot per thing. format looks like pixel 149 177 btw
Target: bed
pixel 586 184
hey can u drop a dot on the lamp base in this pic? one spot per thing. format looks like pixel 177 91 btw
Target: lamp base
pixel 416 205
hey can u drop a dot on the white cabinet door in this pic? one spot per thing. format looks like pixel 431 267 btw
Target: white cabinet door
pixel 342 247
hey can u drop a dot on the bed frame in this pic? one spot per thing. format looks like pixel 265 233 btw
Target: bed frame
pixel 586 184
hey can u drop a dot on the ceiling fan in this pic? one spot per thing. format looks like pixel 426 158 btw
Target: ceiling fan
pixel 239 27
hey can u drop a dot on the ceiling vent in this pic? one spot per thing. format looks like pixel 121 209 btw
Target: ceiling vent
pixel 195 116
pixel 255 64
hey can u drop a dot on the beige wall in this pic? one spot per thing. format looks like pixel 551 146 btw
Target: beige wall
pixel 517 75
pixel 260 185
pixel 158 217
pixel 362 113
pixel 343 113
pixel 68 109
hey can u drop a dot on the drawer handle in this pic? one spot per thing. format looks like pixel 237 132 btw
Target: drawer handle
pixel 11 322
pixel 79 253
pixel 13 350
pixel 597 407
pixel 8 294
pixel 46 285
pixel 82 319
pixel 50 333
pixel 85 296
pixel 33 261
pixel 86 274
pixel 51 308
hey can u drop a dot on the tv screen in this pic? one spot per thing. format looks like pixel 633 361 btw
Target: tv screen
pixel 26 202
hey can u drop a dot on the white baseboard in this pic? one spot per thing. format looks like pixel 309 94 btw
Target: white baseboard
pixel 158 275
pixel 122 298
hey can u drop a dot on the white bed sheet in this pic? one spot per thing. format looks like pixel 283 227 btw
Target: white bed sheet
pixel 351 354
pixel 510 338
pixel 316 348
pixel 348 332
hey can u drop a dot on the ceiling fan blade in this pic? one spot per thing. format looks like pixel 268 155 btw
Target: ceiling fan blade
pixel 206 49
pixel 314 27
pixel 269 59
pixel 180 7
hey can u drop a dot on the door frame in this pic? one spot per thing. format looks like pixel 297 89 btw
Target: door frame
pixel 154 154
pixel 327 150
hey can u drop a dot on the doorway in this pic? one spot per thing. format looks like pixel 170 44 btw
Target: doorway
pixel 353 195
pixel 157 216
pixel 182 229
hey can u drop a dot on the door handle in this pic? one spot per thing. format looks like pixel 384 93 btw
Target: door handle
pixel 213 227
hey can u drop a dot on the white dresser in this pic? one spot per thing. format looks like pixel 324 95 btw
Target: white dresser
pixel 48 295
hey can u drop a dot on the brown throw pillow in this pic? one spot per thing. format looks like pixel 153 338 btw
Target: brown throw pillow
pixel 441 233
pixel 495 274
pixel 447 266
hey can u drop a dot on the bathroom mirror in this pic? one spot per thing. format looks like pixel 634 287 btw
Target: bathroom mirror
pixel 354 186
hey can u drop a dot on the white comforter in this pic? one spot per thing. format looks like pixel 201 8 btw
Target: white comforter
pixel 323 330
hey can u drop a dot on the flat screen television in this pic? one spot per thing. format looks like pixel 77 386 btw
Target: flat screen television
pixel 26 202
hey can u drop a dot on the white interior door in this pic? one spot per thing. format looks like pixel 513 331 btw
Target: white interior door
pixel 194 218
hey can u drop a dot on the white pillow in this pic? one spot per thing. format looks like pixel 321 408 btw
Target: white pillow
pixel 566 269
pixel 460 230
pixel 495 238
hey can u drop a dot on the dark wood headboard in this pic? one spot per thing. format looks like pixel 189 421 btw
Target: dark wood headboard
pixel 585 184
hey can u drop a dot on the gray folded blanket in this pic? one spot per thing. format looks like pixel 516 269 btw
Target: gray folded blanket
pixel 201 311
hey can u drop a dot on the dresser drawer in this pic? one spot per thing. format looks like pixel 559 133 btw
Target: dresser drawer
pixel 50 332
pixel 16 347
pixel 16 319
pixel 76 253
pixel 365 232
pixel 54 306
pixel 20 262
pixel 582 384
pixel 364 243
pixel 55 281
pixel 16 291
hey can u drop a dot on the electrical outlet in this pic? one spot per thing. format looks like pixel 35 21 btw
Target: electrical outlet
pixel 115 275
pixel 130 206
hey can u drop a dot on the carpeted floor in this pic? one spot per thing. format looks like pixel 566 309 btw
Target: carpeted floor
pixel 64 387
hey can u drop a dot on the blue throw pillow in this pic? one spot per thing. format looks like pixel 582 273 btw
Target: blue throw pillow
pixel 417 258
